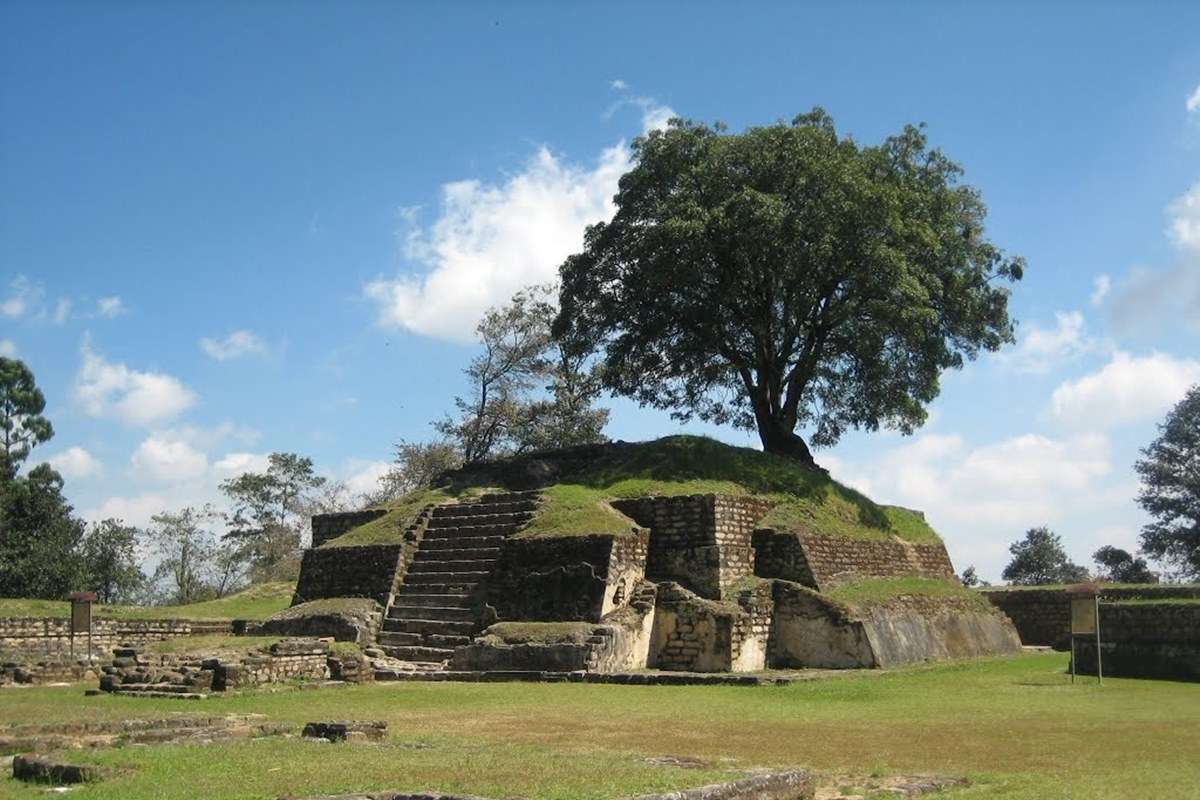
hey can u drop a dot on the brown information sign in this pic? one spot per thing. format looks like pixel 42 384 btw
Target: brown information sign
pixel 81 617
pixel 1083 615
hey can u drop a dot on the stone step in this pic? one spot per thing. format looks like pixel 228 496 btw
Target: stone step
pixel 427 654
pixel 481 570
pixel 511 497
pixel 439 543
pixel 473 509
pixel 451 565
pixel 438 640
pixel 468 530
pixel 446 612
pixel 460 588
pixel 431 600
pixel 456 554
pixel 510 518
pixel 166 688
pixel 440 626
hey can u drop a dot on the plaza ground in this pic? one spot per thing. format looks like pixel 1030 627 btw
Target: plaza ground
pixel 1016 727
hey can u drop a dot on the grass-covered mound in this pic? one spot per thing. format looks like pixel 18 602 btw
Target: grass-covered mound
pixel 867 593
pixel 254 603
pixel 578 484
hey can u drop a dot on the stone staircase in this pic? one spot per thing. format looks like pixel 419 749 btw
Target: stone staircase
pixel 436 608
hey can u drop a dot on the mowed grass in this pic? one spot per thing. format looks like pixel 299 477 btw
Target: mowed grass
pixel 254 603
pixel 1016 727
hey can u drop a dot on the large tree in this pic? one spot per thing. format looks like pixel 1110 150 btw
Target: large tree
pixel 1120 566
pixel 110 561
pixel 1170 473
pixel 1040 559
pixel 788 277
pixel 267 513
pixel 39 537
pixel 22 425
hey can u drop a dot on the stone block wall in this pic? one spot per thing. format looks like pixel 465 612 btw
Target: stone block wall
pixel 1042 616
pixel 289 660
pixel 700 541
pixel 371 571
pixel 808 630
pixel 37 636
pixel 330 526
pixel 691 633
pixel 821 561
pixel 1145 640
pixel 751 635
pixel 566 578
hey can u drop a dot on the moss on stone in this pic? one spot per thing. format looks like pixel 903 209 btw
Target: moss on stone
pixel 868 593
pixel 541 632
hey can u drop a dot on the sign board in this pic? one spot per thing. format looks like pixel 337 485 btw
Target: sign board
pixel 81 617
pixel 1083 615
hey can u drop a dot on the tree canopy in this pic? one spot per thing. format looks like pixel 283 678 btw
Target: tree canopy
pixel 1120 566
pixel 1039 559
pixel 22 425
pixel 787 277
pixel 1170 494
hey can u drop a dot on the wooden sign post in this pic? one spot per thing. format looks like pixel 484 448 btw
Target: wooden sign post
pixel 1085 621
pixel 81 618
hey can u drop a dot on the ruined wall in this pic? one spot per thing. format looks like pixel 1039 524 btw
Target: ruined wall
pixel 702 542
pixel 936 629
pixel 822 561
pixel 371 571
pixel 1145 640
pixel 331 526
pixel 809 630
pixel 566 578
pixel 751 635
pixel 36 636
pixel 1041 616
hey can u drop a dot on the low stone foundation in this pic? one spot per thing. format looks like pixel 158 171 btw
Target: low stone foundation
pixel 52 671
pixel 34 637
pixel 1145 640
pixel 344 619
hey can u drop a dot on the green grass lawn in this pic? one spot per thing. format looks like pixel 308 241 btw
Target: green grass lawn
pixel 1015 727
pixel 255 603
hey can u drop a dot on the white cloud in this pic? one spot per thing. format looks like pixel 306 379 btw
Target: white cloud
pixel 237 344
pixel 168 458
pixel 1124 390
pixel 135 510
pixel 76 463
pixel 62 311
pixel 490 240
pixel 24 298
pixel 233 464
pixel 8 348
pixel 1100 289
pixel 110 307
pixel 620 85
pixel 107 389
pixel 1185 218
pixel 364 476
pixel 982 497
pixel 1041 349
pixel 1193 101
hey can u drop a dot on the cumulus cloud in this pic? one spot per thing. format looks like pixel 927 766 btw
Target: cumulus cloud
pixel 1184 214
pixel 1101 286
pixel 8 348
pixel 492 239
pixel 1040 349
pixel 107 389
pixel 620 85
pixel 169 458
pixel 235 345
pixel 1193 101
pixel 110 307
pixel 364 476
pixel 981 497
pixel 136 510
pixel 234 464
pixel 75 463
pixel 62 311
pixel 1124 390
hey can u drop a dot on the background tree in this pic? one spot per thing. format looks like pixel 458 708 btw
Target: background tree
pixel 502 414
pixel 185 543
pixel 1040 559
pixel 266 517
pixel 22 426
pixel 970 578
pixel 39 537
pixel 787 277
pixel 1119 566
pixel 110 561
pixel 1170 494
pixel 417 466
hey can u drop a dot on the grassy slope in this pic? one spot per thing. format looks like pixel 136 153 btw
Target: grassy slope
pixel 870 592
pixel 1016 727
pixel 255 603
pixel 682 465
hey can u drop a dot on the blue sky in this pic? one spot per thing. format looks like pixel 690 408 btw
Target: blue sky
pixel 230 229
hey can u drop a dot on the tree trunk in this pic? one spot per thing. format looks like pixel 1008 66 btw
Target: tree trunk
pixel 776 439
